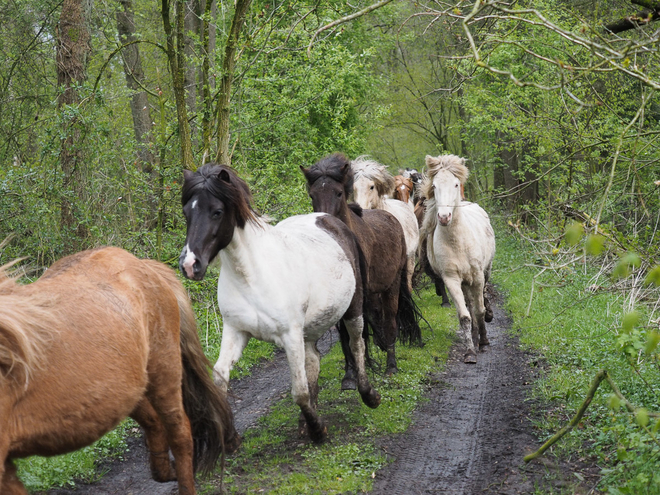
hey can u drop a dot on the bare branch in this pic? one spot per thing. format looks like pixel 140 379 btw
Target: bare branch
pixel 347 18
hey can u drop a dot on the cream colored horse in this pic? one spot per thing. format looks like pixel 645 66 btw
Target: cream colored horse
pixel 460 245
pixel 373 188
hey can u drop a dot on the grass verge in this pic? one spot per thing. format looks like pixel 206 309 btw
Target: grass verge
pixel 575 318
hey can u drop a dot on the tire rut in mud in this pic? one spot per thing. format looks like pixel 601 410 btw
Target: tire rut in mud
pixel 471 435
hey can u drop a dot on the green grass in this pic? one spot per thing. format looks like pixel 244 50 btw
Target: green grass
pixel 574 322
pixel 42 473
pixel 275 459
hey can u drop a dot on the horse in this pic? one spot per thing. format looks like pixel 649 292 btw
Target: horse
pixel 404 189
pixel 372 186
pixel 286 284
pixel 389 309
pixel 460 244
pixel 100 336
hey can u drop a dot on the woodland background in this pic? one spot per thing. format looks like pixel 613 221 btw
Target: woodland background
pixel 104 103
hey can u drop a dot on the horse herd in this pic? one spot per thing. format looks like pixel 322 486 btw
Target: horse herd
pixel 103 335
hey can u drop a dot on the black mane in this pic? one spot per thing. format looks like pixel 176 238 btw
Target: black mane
pixel 336 167
pixel 222 182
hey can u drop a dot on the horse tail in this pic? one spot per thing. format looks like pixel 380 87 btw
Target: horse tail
pixel 211 418
pixel 408 313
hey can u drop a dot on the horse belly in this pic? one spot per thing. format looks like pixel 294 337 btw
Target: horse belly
pixel 78 400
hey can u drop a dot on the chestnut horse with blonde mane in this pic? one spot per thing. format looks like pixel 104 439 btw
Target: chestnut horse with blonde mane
pixel 101 336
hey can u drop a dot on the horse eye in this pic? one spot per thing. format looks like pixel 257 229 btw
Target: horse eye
pixel 372 187
pixel 456 185
pixel 339 194
pixel 217 214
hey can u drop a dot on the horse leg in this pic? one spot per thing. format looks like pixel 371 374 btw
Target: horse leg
pixel 410 270
pixel 369 395
pixel 159 457
pixel 348 382
pixel 489 310
pixel 465 320
pixel 9 483
pixel 390 303
pixel 231 348
pixel 296 355
pixel 481 312
pixel 441 291
pixel 165 396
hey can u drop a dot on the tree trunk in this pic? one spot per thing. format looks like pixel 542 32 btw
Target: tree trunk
pixel 142 123
pixel 192 28
pixel 228 65
pixel 176 61
pixel 73 47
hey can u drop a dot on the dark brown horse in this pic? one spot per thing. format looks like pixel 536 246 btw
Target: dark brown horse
pixel 389 308
pixel 101 336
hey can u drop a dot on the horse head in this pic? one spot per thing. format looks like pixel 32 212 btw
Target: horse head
pixel 403 188
pixel 215 202
pixel 372 182
pixel 329 183
pixel 446 175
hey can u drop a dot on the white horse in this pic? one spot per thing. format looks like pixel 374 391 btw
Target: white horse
pixel 286 284
pixel 373 187
pixel 460 245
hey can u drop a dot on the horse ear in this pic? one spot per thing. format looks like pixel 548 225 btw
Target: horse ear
pixel 187 174
pixel 224 176
pixel 429 160
pixel 304 170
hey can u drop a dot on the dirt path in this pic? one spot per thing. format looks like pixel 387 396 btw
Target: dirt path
pixel 469 438
pixel 472 434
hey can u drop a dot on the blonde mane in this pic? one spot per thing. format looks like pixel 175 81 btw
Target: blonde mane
pixel 23 336
pixel 363 166
pixel 434 164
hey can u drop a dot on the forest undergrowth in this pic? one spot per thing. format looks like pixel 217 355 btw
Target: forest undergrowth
pixel 580 314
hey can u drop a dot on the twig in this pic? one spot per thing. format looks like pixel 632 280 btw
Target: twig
pixel 600 376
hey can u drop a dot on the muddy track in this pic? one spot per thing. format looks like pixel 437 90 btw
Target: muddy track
pixel 469 438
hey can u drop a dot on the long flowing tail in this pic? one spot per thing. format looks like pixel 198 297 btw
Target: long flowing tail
pixel 408 314
pixel 210 415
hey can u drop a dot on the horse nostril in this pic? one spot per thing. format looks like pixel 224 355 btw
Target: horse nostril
pixel 197 267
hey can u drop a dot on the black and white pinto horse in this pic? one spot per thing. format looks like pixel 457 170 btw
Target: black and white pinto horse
pixel 460 245
pixel 286 284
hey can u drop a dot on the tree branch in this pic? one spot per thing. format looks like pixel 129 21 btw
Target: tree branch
pixel 347 18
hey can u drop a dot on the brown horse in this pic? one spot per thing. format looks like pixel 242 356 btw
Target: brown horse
pixel 403 189
pixel 101 336
pixel 389 309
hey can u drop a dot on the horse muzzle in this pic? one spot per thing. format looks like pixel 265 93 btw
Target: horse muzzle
pixel 444 219
pixel 191 267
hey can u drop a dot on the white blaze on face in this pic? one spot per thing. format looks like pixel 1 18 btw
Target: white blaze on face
pixel 188 260
pixel 194 205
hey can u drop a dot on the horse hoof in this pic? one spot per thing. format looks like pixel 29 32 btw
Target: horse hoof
pixel 484 342
pixel 488 316
pixel 470 357
pixel 348 384
pixel 319 436
pixel 391 370
pixel 447 305
pixel 483 348
pixel 371 399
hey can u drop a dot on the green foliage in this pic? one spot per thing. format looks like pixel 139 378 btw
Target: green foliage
pixel 578 325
